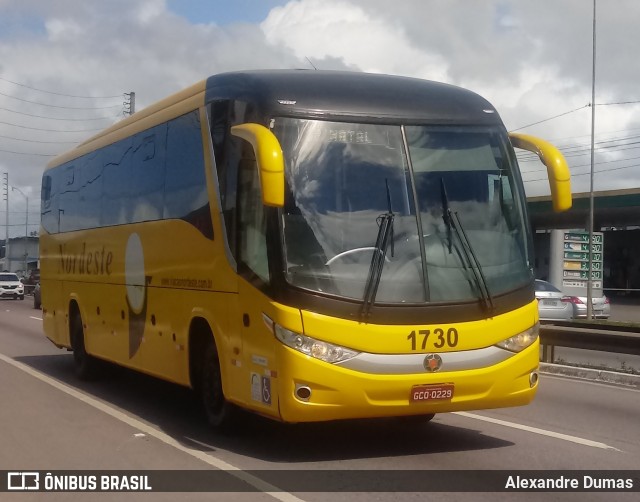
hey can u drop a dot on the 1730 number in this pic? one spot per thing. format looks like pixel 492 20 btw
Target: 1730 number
pixel 448 338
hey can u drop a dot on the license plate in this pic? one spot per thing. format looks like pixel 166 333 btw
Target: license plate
pixel 436 392
pixel 550 303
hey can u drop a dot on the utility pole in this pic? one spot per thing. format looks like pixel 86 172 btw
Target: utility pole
pixel 130 103
pixel 5 195
pixel 26 229
pixel 591 209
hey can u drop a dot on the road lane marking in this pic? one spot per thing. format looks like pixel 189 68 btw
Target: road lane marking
pixel 597 383
pixel 220 464
pixel 36 318
pixel 535 430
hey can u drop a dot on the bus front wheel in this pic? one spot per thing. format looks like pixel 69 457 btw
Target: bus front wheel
pixel 86 365
pixel 218 410
pixel 416 419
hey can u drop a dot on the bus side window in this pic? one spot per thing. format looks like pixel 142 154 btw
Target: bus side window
pixel 185 184
pixel 50 213
pixel 67 216
pixel 45 194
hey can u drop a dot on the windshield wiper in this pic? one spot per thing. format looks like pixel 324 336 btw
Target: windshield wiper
pixel 452 221
pixel 385 232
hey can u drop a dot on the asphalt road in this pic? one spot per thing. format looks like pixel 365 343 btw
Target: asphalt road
pixel 623 309
pixel 126 421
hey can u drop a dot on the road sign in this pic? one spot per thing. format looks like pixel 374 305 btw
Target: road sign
pixel 575 263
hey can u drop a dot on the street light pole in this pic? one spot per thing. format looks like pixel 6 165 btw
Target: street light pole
pixel 591 210
pixel 26 229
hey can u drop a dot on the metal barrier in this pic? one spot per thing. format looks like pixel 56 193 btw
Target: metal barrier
pixel 618 339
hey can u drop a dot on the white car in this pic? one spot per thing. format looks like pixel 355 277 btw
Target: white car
pixel 601 307
pixel 553 305
pixel 10 286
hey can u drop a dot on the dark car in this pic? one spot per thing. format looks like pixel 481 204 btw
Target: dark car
pixel 37 301
pixel 32 278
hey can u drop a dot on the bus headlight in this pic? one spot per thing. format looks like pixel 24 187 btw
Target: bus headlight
pixel 324 351
pixel 521 341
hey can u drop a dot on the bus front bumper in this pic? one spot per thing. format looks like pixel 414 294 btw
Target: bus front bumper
pixel 311 390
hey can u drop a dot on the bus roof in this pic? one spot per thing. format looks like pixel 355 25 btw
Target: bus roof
pixel 338 95
pixel 366 96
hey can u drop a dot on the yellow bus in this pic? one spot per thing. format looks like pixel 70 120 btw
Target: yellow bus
pixel 305 245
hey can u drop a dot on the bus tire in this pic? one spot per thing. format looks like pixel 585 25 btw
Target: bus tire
pixel 86 365
pixel 218 411
pixel 417 419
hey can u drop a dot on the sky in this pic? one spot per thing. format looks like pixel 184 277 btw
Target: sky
pixel 65 66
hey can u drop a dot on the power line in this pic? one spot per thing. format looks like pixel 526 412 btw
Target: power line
pixel 585 174
pixel 579 166
pixel 32 213
pixel 571 150
pixel 551 118
pixel 30 153
pixel 58 106
pixel 555 140
pixel 21 225
pixel 57 118
pixel 601 150
pixel 59 93
pixel 37 141
pixel 588 105
pixel 533 171
pixel 51 130
pixel 619 103
pixel 33 208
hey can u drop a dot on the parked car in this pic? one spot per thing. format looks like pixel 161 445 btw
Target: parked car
pixel 31 279
pixel 11 286
pixel 601 307
pixel 37 300
pixel 553 305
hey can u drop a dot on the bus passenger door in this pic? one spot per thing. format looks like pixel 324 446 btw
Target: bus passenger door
pixel 251 174
pixel 258 345
pixel 258 348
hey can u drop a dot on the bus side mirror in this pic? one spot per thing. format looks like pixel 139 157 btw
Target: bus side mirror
pixel 269 159
pixel 557 169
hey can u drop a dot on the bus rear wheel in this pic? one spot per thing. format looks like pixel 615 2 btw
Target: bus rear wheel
pixel 219 412
pixel 86 365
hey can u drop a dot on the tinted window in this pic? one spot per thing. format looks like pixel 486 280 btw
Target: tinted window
pixel 156 174
pixel 545 286
pixel 185 181
pixel 134 178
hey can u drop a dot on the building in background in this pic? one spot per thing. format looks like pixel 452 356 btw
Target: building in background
pixel 616 215
pixel 24 255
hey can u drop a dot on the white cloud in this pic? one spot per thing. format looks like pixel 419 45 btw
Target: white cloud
pixel 320 29
pixel 60 29
pixel 150 10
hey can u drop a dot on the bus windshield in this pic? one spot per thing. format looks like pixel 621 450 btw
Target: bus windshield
pixel 344 180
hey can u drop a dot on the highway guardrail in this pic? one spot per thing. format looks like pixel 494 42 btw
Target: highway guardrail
pixel 605 338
